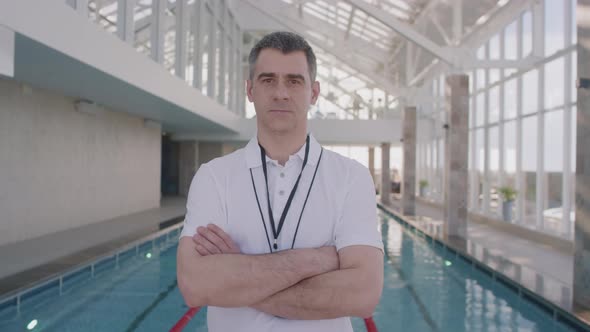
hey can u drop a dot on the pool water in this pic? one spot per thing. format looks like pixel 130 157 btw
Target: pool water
pixel 425 289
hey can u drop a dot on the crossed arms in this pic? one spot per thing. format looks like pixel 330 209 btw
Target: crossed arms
pixel 315 283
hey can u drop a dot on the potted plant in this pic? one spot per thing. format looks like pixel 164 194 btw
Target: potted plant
pixel 423 184
pixel 508 195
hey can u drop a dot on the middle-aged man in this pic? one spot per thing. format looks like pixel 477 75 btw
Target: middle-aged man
pixel 281 235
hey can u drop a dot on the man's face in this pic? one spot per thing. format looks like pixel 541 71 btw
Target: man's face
pixel 281 90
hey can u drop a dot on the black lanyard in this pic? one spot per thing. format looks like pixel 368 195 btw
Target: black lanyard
pixel 276 231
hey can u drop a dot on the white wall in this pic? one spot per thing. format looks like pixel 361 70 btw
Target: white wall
pixel 60 168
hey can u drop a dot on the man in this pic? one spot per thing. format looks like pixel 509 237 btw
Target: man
pixel 281 235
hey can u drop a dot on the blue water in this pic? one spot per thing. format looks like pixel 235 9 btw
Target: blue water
pixel 425 290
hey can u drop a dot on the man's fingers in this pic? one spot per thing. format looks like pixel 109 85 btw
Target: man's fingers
pixel 223 235
pixel 213 239
pixel 211 248
pixel 201 250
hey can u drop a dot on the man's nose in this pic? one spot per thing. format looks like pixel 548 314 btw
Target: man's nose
pixel 281 92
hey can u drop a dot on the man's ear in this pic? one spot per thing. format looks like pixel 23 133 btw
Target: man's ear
pixel 315 92
pixel 249 86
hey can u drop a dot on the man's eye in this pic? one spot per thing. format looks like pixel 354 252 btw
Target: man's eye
pixel 267 80
pixel 294 82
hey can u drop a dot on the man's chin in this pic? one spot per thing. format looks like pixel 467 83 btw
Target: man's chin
pixel 280 127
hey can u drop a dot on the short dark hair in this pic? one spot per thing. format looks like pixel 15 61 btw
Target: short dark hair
pixel 285 42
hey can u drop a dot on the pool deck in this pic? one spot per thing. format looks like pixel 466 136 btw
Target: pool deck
pixel 27 262
pixel 540 266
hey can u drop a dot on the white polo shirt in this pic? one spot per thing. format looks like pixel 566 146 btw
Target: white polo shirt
pixel 340 211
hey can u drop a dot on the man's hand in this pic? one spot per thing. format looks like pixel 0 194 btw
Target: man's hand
pixel 212 240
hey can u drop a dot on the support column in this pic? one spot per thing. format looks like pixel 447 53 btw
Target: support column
pixel 222 52
pixel 188 165
pixel 125 21
pixel 582 222
pixel 372 162
pixel 212 52
pixel 157 30
pixel 409 169
pixel 209 151
pixel 197 26
pixel 456 162
pixel 230 64
pixel 182 27
pixel 385 174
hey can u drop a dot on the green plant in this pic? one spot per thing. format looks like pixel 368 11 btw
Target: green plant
pixel 423 183
pixel 507 193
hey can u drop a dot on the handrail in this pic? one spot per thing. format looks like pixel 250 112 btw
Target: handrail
pixel 183 321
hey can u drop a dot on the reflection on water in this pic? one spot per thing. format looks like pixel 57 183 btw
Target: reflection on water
pixel 430 289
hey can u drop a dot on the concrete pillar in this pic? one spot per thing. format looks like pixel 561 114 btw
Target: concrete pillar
pixel 188 165
pixel 409 169
pixel 385 174
pixel 372 162
pixel 456 162
pixel 192 155
pixel 209 151
pixel 582 222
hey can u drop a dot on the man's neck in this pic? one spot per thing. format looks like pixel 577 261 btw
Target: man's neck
pixel 279 146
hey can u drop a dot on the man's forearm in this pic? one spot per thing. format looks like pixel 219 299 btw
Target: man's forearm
pixel 235 280
pixel 331 295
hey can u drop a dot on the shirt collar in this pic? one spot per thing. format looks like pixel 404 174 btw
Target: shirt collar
pixel 253 152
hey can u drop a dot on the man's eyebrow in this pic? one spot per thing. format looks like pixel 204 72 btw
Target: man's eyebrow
pixel 296 76
pixel 264 75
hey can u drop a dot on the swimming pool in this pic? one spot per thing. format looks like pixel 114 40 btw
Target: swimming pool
pixel 427 288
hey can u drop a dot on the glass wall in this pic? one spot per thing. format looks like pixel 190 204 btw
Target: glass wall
pixel 196 37
pixel 522 125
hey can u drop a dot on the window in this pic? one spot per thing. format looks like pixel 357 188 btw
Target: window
pixel 494 47
pixel 527 34
pixel 510 149
pixel 554 83
pixel 481 79
pixel 510 42
pixel 553 157
pixel 480 109
pixel 529 169
pixel 493 104
pixel 510 99
pixel 494 168
pixel 554 26
pixel 530 91
pixel 574 23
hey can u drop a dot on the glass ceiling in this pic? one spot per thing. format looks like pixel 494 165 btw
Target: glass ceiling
pixel 355 50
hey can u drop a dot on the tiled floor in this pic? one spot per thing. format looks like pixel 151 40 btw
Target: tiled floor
pixel 27 262
pixel 536 266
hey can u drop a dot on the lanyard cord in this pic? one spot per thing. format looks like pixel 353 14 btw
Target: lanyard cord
pixel 276 231
pixel 306 197
pixel 300 215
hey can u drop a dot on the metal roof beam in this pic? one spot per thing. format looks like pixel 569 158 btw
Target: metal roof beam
pixel 405 30
pixel 499 18
pixel 356 44
pixel 339 51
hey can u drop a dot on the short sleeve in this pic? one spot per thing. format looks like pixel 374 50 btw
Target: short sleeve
pixel 203 205
pixel 358 223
